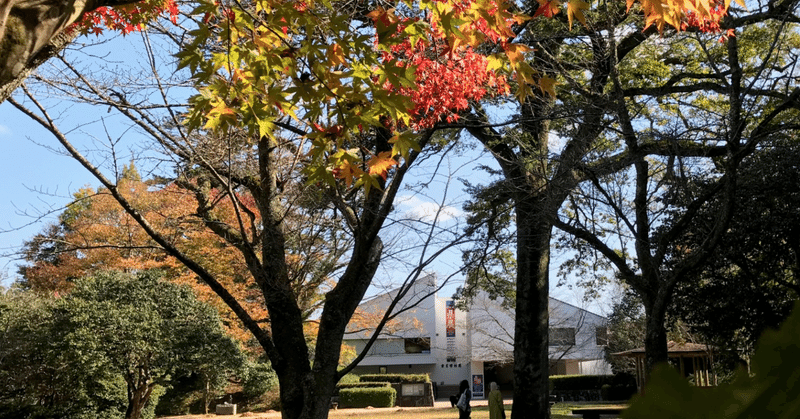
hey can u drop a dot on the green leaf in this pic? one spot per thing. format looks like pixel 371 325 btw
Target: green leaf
pixel 403 143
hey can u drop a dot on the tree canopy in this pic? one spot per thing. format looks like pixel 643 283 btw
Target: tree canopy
pixel 751 283
pixel 109 347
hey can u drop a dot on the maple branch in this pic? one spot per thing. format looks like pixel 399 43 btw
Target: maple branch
pixel 31 32
pixel 183 148
pixel 776 10
pixel 45 121
pixel 616 162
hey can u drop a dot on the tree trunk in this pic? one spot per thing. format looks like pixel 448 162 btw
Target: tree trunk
pixel 137 399
pixel 655 339
pixel 531 351
pixel 293 366
pixel 205 396
pixel 32 32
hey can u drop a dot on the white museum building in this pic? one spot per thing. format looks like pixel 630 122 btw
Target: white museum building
pixel 431 335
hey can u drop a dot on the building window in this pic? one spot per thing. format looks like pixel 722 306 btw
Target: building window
pixel 601 336
pixel 413 390
pixel 418 345
pixel 382 370
pixel 562 336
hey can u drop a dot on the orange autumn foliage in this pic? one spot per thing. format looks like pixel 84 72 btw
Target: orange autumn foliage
pixel 95 234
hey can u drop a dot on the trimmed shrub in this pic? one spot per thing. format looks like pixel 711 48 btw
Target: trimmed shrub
pixel 623 386
pixel 364 385
pixel 605 392
pixel 396 378
pixel 579 382
pixel 370 396
pixel 349 378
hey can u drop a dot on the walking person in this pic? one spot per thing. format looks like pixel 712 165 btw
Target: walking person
pixel 464 397
pixel 496 408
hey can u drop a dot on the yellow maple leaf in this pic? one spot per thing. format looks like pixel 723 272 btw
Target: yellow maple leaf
pixel 494 62
pixel 336 55
pixel 347 171
pixel 520 19
pixel 380 164
pixel 516 53
pixel 218 114
pixel 548 85
pixel 575 10
pixel 654 13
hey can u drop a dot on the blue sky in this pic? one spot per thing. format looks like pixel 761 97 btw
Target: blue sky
pixel 35 180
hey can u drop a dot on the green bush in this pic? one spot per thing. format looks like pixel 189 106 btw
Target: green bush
pixel 257 379
pixel 364 385
pixel 363 397
pixel 396 378
pixel 605 391
pixel 349 378
pixel 579 382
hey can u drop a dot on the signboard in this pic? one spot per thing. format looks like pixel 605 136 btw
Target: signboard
pixel 477 385
pixel 450 318
pixel 450 329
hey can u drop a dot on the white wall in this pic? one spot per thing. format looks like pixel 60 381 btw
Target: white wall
pixel 425 319
pixel 485 333
pixel 594 367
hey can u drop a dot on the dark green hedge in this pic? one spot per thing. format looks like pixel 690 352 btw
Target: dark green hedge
pixel 371 396
pixel 579 382
pixel 396 378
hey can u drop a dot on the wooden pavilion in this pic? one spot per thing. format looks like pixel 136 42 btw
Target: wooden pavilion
pixel 692 359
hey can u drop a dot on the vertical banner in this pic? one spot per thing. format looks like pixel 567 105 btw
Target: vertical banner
pixel 450 328
pixel 477 385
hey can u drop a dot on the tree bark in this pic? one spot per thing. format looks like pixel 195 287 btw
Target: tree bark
pixel 138 396
pixel 32 31
pixel 531 350
pixel 655 338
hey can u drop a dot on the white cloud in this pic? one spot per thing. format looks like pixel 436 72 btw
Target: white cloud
pixel 418 209
pixel 4 130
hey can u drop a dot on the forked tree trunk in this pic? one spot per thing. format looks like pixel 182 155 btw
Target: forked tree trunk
pixel 137 400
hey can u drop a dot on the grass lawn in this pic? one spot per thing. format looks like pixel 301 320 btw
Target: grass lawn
pixel 564 410
pixel 558 411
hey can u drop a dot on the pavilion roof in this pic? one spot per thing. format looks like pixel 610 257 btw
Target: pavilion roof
pixel 674 349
